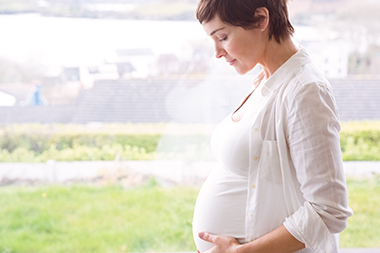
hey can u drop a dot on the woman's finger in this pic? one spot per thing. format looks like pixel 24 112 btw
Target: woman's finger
pixel 208 237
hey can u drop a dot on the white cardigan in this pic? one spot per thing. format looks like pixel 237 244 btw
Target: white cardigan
pixel 296 174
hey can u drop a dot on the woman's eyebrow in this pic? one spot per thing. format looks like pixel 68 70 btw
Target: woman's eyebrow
pixel 216 31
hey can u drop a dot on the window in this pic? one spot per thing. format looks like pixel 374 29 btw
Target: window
pixel 115 92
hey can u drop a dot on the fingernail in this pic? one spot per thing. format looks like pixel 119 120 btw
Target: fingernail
pixel 198 251
pixel 201 234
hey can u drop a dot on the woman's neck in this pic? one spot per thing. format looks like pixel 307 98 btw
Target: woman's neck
pixel 276 54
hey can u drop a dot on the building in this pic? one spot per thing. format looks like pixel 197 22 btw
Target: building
pixel 7 99
pixel 191 101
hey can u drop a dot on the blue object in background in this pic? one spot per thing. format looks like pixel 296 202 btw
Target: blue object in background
pixel 36 97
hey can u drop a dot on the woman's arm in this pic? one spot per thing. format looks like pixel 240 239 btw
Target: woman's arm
pixel 313 139
pixel 279 240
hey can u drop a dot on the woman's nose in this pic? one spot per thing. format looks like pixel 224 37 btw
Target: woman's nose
pixel 219 52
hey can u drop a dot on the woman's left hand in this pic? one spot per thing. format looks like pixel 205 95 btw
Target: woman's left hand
pixel 223 244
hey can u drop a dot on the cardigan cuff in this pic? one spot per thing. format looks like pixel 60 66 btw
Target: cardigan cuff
pixel 307 227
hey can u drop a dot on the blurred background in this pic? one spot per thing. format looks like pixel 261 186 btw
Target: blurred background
pixel 122 95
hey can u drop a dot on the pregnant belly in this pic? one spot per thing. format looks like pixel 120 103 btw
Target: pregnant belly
pixel 220 207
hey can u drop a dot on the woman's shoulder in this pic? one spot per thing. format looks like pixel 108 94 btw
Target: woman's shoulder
pixel 307 78
pixel 309 73
pixel 306 85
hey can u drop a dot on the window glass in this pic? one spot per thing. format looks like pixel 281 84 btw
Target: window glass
pixel 119 91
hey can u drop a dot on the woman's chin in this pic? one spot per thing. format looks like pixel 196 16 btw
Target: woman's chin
pixel 246 69
pixel 241 72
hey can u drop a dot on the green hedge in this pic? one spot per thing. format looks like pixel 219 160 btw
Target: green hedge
pixel 39 143
pixel 39 138
pixel 360 141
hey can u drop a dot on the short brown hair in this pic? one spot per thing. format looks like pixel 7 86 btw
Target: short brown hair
pixel 241 13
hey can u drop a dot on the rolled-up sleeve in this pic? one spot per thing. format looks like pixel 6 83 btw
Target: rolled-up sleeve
pixel 312 129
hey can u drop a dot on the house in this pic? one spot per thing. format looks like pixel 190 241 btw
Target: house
pixel 331 58
pixel 18 91
pixel 85 76
pixel 329 52
pixel 7 99
pixel 142 62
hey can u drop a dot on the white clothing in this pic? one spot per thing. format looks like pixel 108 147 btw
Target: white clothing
pixel 220 206
pixel 229 142
pixel 295 170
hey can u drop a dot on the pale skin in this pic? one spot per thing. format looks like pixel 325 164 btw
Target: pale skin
pixel 244 49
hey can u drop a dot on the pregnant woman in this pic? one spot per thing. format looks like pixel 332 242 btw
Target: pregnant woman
pixel 279 186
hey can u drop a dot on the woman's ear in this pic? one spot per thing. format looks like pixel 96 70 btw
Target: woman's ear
pixel 262 15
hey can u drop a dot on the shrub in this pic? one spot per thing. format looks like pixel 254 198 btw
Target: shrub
pixel 360 141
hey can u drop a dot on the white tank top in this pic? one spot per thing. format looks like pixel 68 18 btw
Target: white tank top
pixel 221 203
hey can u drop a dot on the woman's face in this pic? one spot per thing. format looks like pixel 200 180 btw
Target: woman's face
pixel 241 48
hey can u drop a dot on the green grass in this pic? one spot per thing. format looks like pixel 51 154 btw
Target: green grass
pixel 149 218
pixel 95 219
pixel 363 227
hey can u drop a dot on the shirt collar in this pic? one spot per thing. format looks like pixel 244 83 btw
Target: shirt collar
pixel 280 75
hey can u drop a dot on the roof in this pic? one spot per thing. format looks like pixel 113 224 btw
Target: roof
pixel 357 99
pixel 124 101
pixel 192 101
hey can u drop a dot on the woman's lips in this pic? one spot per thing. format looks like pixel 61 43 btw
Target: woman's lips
pixel 232 62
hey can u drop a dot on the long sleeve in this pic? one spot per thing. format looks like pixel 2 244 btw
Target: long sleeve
pixel 312 130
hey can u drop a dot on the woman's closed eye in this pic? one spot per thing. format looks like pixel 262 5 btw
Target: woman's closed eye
pixel 223 39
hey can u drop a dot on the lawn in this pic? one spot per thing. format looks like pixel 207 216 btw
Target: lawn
pixel 90 218
pixel 363 227
pixel 95 219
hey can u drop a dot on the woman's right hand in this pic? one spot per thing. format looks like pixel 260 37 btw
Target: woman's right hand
pixel 223 244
